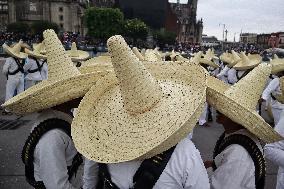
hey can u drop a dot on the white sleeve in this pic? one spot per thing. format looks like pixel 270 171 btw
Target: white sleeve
pixel 234 172
pixel 6 66
pixel 223 72
pixel 275 151
pixel 53 166
pixel 90 177
pixel 185 169
pixel 232 78
pixel 272 86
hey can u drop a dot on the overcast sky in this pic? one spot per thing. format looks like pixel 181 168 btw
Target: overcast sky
pixel 254 16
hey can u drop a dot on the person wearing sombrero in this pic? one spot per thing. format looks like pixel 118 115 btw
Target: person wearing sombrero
pixel 242 68
pixel 238 160
pixel 207 62
pixel 273 93
pixel 50 157
pixel 36 65
pixel 228 60
pixel 14 69
pixel 135 120
pixel 77 56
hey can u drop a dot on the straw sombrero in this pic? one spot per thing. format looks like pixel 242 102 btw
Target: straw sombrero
pixel 15 51
pixel 207 60
pixel 64 82
pixel 246 62
pixel 196 58
pixel 228 59
pixel 36 52
pixel 77 55
pixel 100 63
pixel 137 53
pixel 277 65
pixel 23 45
pixel 42 47
pixel 135 113
pixel 239 102
pixel 151 56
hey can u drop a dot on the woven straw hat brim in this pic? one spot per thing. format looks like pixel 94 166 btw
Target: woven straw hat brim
pixel 220 86
pixel 82 55
pixel 47 94
pixel 9 51
pixel 277 66
pixel 35 54
pixel 209 63
pixel 242 66
pixel 104 132
pixel 241 115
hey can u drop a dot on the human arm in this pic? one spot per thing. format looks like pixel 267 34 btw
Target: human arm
pixel 272 86
pixel 6 66
pixel 52 161
pixel 235 169
pixel 90 177
pixel 223 72
pixel 275 151
pixel 185 169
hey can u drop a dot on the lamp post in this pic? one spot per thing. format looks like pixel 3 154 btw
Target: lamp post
pixel 224 25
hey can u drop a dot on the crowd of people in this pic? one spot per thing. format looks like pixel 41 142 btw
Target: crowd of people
pixel 131 120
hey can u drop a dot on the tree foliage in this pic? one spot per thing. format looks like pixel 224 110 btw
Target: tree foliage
pixel 163 37
pixel 39 26
pixel 102 23
pixel 18 27
pixel 135 29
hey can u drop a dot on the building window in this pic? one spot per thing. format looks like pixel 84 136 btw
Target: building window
pixel 61 17
pixel 60 9
pixel 61 26
pixel 5 7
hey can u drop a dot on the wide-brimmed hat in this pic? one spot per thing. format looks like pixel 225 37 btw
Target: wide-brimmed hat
pixel 42 47
pixel 64 82
pixel 239 102
pixel 228 59
pixel 247 62
pixel 137 53
pixel 207 60
pixel 196 57
pixel 151 56
pixel 36 52
pixel 137 113
pixel 15 51
pixel 77 55
pixel 100 63
pixel 277 65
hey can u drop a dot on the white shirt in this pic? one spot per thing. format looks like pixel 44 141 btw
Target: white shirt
pixel 53 153
pixel 272 88
pixel 31 65
pixel 185 169
pixel 232 75
pixel 235 167
pixel 11 66
pixel 275 152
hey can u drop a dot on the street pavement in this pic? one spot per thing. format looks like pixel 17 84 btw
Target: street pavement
pixel 12 139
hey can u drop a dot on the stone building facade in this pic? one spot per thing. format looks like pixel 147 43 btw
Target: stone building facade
pixel 189 28
pixel 68 14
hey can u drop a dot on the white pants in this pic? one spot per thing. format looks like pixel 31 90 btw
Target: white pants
pixel 14 82
pixel 203 116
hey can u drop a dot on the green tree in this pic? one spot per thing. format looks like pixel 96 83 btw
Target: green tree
pixel 18 27
pixel 102 23
pixel 135 29
pixel 163 37
pixel 39 26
